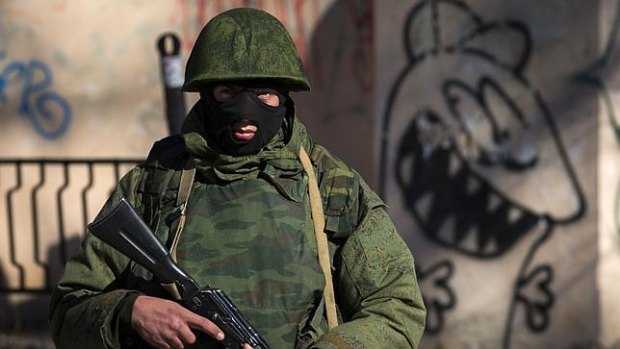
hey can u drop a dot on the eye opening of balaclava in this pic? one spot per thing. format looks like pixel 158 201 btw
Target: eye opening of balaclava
pixel 224 118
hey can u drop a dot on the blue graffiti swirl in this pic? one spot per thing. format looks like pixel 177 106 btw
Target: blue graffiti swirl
pixel 48 111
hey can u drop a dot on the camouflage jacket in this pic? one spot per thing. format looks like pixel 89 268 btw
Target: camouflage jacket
pixel 249 232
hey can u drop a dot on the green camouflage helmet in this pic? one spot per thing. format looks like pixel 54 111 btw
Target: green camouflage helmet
pixel 244 44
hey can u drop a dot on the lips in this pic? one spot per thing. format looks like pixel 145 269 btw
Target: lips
pixel 244 131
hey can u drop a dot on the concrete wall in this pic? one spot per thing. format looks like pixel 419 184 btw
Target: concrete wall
pixel 489 128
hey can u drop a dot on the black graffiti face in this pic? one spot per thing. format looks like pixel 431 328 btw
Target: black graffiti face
pixel 468 138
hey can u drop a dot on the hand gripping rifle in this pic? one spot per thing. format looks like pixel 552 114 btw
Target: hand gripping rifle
pixel 124 230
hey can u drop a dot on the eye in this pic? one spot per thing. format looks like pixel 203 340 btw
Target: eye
pixel 223 93
pixel 264 92
pixel 268 96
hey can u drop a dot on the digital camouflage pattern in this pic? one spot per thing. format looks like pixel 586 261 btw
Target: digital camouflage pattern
pixel 244 44
pixel 249 232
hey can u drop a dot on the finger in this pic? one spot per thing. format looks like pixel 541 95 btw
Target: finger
pixel 186 335
pixel 174 343
pixel 205 325
pixel 159 344
pixel 247 346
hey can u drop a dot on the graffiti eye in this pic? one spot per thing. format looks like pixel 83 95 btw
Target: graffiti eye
pixel 489 128
pixel 513 133
pixel 473 130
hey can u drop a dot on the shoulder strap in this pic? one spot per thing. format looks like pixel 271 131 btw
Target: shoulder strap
pixel 318 219
pixel 169 155
pixel 185 188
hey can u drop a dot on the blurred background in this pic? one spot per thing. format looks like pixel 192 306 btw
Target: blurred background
pixel 490 128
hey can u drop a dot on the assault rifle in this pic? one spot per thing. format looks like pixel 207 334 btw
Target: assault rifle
pixel 124 230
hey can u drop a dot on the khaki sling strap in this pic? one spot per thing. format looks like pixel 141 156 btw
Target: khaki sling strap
pixel 185 188
pixel 318 219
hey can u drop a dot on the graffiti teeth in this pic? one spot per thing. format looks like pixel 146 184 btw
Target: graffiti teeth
pixel 514 215
pixel 490 247
pixel 454 166
pixel 423 205
pixel 470 241
pixel 446 231
pixel 494 202
pixel 473 185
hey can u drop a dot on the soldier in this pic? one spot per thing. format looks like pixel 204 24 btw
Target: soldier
pixel 249 226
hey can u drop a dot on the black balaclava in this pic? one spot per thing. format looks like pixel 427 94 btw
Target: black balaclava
pixel 244 106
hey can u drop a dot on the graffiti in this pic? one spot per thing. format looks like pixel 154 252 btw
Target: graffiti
pixel 441 298
pixel 48 111
pixel 468 144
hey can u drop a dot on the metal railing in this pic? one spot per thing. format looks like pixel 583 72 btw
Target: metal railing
pixel 44 208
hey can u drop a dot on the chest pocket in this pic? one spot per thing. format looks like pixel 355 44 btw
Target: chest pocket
pixel 339 189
